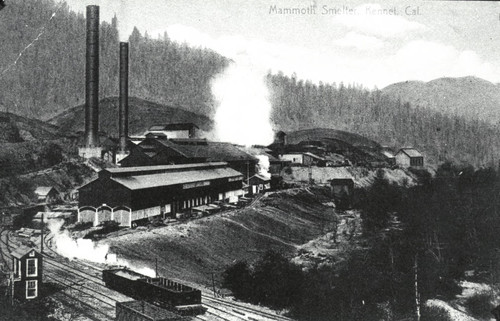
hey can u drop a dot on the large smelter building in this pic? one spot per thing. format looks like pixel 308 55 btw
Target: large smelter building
pixel 136 193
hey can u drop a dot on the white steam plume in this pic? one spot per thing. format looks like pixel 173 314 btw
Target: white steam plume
pixel 71 248
pixel 85 249
pixel 263 166
pixel 243 108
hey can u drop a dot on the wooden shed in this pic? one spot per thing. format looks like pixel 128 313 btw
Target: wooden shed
pixel 409 157
pixel 47 194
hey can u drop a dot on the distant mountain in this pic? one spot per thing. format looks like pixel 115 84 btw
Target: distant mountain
pixel 382 117
pixel 142 115
pixel 466 96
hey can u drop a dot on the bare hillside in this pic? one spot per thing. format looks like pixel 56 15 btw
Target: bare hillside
pixel 280 221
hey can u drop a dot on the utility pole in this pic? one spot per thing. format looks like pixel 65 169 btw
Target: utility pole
pixel 41 236
pixel 12 283
pixel 417 295
pixel 248 173
pixel 213 283
pixel 156 268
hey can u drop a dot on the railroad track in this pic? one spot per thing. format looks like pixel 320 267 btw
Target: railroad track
pixel 217 309
pixel 69 301
pixel 247 312
pixel 83 297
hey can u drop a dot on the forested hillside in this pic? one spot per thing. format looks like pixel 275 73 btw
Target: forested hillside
pixel 47 77
pixel 300 105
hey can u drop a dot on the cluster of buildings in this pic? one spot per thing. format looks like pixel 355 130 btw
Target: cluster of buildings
pixel 169 170
pixel 165 172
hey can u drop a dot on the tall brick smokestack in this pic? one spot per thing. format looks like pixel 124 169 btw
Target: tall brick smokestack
pixel 123 109
pixel 92 78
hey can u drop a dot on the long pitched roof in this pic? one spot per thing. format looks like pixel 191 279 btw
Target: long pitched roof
pixel 137 170
pixel 200 149
pixel 213 151
pixel 137 182
pixel 314 156
pixel 176 126
pixel 411 152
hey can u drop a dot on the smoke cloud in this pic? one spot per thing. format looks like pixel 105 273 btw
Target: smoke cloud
pixel 88 250
pixel 243 108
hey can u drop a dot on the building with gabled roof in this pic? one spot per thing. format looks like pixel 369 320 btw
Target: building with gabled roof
pixel 28 269
pixel 409 157
pixel 161 151
pixel 47 194
pixel 303 158
pixel 149 191
pixel 259 183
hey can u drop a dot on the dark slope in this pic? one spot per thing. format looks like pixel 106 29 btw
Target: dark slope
pixel 142 114
pixel 14 129
pixel 329 133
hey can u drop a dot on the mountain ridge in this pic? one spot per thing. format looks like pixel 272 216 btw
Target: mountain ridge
pixel 142 115
pixel 468 96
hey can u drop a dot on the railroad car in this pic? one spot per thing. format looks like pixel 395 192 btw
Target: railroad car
pixel 160 291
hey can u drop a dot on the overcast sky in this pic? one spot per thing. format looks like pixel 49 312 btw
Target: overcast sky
pixel 370 43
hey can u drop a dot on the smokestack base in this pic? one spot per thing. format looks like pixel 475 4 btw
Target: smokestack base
pixel 89 152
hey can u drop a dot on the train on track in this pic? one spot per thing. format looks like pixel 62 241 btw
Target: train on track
pixel 160 291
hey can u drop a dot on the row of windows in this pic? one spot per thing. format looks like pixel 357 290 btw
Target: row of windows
pixel 196 201
pixel 416 161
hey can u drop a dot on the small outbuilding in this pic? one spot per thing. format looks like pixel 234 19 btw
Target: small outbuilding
pixel 409 157
pixel 259 184
pixel 293 158
pixel 27 264
pixel 47 194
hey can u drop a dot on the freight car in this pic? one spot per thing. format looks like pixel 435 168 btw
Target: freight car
pixel 160 291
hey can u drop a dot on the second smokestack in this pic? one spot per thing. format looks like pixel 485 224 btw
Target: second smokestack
pixel 123 107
